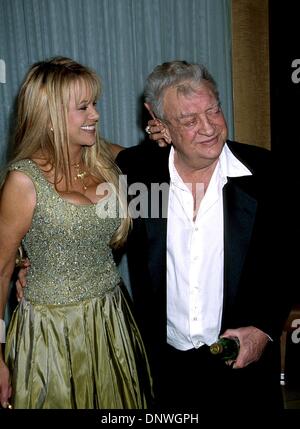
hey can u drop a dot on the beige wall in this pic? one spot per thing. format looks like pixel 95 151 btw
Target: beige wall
pixel 250 64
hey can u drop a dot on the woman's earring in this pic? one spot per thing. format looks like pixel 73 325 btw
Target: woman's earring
pixel 51 129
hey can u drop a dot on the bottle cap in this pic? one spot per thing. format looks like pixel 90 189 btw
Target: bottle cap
pixel 216 348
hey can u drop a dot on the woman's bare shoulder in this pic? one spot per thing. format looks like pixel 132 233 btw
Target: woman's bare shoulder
pixel 115 149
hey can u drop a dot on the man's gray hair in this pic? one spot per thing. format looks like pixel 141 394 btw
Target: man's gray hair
pixel 186 77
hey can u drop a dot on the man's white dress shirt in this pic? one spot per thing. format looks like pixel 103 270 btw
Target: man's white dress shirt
pixel 195 256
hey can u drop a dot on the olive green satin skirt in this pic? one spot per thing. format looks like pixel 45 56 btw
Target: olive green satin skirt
pixel 84 355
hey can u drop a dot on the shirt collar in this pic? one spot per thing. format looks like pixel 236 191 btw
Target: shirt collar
pixel 229 166
pixel 174 176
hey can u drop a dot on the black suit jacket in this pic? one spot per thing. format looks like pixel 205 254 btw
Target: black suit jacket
pixel 256 275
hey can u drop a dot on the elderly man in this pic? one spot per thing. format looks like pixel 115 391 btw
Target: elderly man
pixel 211 264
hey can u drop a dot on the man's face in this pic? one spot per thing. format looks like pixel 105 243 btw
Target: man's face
pixel 196 125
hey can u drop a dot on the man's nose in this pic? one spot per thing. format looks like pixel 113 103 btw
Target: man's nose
pixel 205 125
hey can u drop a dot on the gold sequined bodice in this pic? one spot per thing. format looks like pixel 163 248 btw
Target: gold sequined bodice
pixel 68 246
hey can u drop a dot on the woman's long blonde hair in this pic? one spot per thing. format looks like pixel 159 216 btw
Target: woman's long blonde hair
pixel 42 127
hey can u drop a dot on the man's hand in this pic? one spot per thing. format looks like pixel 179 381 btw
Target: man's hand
pixel 252 344
pixel 158 132
pixel 21 282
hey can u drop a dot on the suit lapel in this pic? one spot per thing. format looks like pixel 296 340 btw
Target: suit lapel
pixel 156 227
pixel 239 217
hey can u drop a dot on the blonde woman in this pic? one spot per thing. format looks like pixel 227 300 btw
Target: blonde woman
pixel 72 341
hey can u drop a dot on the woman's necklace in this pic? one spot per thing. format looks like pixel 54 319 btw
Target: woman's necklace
pixel 80 175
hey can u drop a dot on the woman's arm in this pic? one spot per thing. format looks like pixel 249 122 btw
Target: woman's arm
pixel 17 203
pixel 115 149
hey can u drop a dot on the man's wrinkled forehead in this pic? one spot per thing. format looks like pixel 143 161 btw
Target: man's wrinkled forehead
pixel 188 93
pixel 192 87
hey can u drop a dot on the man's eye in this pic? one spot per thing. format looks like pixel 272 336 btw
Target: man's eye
pixel 214 111
pixel 190 123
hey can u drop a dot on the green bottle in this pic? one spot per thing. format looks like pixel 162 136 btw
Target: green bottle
pixel 226 348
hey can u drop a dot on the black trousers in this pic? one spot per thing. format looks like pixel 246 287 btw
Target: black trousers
pixel 197 380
